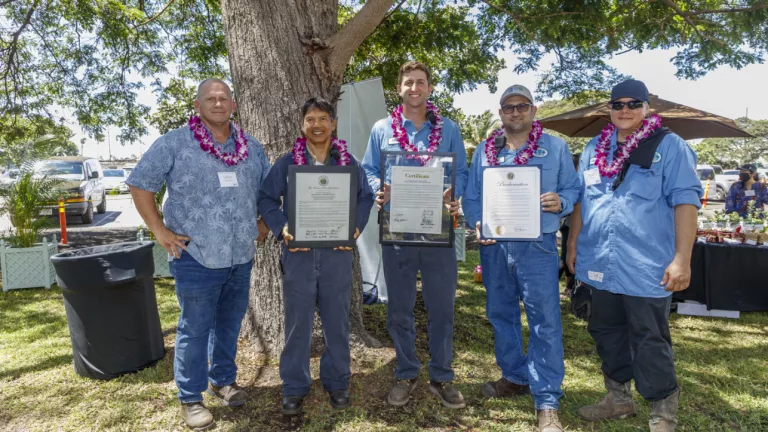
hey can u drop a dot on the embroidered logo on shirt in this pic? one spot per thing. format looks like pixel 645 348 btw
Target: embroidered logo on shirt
pixel 540 152
pixel 657 157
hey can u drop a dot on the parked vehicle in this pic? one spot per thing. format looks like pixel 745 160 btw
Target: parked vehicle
pixel 729 177
pixel 717 183
pixel 114 181
pixel 82 186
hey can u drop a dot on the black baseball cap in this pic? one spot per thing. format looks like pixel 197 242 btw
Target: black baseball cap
pixel 747 167
pixel 630 88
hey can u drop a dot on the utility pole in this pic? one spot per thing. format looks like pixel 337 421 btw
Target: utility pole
pixel 109 144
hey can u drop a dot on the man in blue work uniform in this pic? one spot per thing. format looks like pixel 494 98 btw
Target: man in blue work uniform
pixel 631 241
pixel 525 269
pixel 318 276
pixel 418 125
pixel 213 172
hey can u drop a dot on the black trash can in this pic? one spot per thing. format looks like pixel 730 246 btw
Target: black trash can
pixel 109 296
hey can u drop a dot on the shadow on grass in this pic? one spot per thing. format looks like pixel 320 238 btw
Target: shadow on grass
pixel 48 363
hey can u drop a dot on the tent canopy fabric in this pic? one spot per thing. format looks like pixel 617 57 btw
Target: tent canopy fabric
pixel 688 122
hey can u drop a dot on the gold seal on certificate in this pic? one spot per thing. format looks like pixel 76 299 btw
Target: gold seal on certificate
pixel 323 203
pixel 419 186
pixel 511 203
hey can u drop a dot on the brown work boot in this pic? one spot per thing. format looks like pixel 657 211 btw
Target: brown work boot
pixel 618 403
pixel 196 415
pixel 548 421
pixel 401 392
pixel 664 413
pixel 504 389
pixel 231 394
pixel 449 395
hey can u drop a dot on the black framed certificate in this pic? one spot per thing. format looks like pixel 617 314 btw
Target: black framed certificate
pixel 420 184
pixel 322 202
pixel 512 203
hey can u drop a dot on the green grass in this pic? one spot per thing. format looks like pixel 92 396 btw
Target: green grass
pixel 722 367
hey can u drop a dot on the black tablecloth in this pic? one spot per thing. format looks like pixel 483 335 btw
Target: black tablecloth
pixel 728 277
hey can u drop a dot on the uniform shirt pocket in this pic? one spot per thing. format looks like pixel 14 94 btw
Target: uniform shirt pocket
pixel 644 183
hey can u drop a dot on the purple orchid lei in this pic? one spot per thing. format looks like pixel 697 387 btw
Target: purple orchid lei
pixel 203 136
pixel 300 148
pixel 522 157
pixel 399 133
pixel 649 125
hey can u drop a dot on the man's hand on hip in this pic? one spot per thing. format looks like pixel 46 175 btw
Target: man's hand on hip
pixel 172 242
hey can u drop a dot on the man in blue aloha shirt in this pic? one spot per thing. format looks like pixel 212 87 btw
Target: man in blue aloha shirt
pixel 213 172
pixel 747 189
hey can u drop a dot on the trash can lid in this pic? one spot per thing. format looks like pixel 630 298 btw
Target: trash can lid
pixel 101 251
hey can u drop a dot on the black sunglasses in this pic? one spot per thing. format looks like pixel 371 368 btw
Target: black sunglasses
pixel 522 108
pixel 632 105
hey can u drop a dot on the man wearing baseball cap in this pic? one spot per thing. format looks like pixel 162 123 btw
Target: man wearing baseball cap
pixel 525 269
pixel 631 240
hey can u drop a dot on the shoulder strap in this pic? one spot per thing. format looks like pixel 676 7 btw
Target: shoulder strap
pixel 643 155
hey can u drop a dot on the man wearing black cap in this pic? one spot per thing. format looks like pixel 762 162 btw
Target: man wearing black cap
pixel 745 190
pixel 630 243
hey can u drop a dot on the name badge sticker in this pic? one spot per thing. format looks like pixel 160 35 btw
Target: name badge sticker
pixel 593 161
pixel 228 179
pixel 392 140
pixel 595 276
pixel 749 193
pixel 592 177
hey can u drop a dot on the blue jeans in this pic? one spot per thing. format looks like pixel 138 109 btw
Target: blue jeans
pixel 438 277
pixel 321 277
pixel 527 270
pixel 213 303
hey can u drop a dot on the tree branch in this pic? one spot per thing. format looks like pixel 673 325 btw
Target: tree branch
pixel 687 19
pixel 158 14
pixel 344 42
pixel 511 15
pixel 13 46
pixel 758 6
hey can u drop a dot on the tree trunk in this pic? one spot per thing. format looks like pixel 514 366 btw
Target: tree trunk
pixel 281 53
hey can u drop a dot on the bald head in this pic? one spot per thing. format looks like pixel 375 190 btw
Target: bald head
pixel 205 84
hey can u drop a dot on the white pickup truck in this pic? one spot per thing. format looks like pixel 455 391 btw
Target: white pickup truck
pixel 719 182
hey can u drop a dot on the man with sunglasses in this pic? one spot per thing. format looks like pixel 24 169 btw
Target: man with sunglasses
pixel 631 240
pixel 525 269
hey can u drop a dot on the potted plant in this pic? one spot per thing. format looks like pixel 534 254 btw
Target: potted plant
pixel 23 257
pixel 162 267
pixel 720 219
pixel 733 221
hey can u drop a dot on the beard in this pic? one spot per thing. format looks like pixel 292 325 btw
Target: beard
pixel 515 127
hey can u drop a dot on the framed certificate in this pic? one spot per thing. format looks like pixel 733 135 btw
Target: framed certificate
pixel 416 214
pixel 512 203
pixel 322 205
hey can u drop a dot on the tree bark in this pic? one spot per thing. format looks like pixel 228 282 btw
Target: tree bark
pixel 281 53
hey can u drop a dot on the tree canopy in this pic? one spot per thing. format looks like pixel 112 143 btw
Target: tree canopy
pixel 92 56
pixel 731 152
pixel 23 139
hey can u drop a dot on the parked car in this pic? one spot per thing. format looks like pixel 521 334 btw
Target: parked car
pixel 10 176
pixel 717 183
pixel 729 177
pixel 128 169
pixel 114 181
pixel 82 185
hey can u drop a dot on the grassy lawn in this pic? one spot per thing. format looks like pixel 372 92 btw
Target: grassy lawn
pixel 722 366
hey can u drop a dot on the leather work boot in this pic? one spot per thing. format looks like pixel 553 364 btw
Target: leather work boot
pixel 401 392
pixel 292 405
pixel 504 389
pixel 664 413
pixel 196 415
pixel 548 421
pixel 339 399
pixel 618 403
pixel 449 395
pixel 231 394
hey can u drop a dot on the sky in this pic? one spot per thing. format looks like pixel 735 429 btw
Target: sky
pixel 725 91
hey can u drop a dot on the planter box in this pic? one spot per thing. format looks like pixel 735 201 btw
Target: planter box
pixel 28 267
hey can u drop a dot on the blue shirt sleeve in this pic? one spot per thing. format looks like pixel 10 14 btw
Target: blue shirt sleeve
pixel 462 172
pixel 730 200
pixel 473 194
pixel 273 188
pixel 364 199
pixel 680 184
pixel 372 159
pixel 155 165
pixel 568 184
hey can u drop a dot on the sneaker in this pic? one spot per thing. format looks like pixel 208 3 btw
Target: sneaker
pixel 232 395
pixel 548 421
pixel 196 415
pixel 504 389
pixel 401 392
pixel 449 394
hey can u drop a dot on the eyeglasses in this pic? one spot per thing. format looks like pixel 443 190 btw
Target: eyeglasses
pixel 632 105
pixel 522 108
